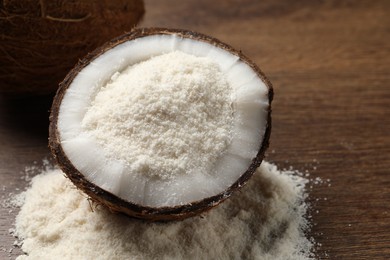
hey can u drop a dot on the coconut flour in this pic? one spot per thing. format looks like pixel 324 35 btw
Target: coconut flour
pixel 164 116
pixel 266 220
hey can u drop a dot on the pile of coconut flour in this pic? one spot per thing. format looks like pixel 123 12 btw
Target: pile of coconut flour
pixel 150 126
pixel 266 220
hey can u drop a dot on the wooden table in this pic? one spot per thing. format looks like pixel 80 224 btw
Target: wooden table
pixel 329 62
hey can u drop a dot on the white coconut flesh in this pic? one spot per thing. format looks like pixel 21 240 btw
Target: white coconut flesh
pixel 205 174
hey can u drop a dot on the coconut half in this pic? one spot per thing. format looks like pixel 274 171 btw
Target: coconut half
pixel 41 40
pixel 114 181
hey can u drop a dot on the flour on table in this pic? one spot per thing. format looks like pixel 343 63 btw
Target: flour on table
pixel 266 220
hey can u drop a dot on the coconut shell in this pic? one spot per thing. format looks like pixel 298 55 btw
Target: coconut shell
pixel 41 40
pixel 117 204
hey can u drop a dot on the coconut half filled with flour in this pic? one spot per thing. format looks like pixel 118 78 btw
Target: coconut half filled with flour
pixel 161 124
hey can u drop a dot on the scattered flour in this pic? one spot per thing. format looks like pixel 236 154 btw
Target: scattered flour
pixel 164 116
pixel 266 220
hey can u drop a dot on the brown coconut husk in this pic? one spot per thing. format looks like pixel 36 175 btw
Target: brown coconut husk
pixel 41 40
pixel 111 201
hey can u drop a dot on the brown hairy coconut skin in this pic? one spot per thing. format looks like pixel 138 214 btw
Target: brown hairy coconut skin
pixel 117 204
pixel 41 40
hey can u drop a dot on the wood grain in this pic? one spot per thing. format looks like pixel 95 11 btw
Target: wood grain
pixel 329 62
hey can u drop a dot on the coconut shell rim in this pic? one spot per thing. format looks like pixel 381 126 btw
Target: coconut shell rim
pixel 117 204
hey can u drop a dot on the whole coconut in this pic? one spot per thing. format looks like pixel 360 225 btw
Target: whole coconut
pixel 41 40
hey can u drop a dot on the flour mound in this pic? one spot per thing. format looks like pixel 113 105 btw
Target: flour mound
pixel 265 221
pixel 164 116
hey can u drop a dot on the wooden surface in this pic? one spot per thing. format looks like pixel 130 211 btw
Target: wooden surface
pixel 329 62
